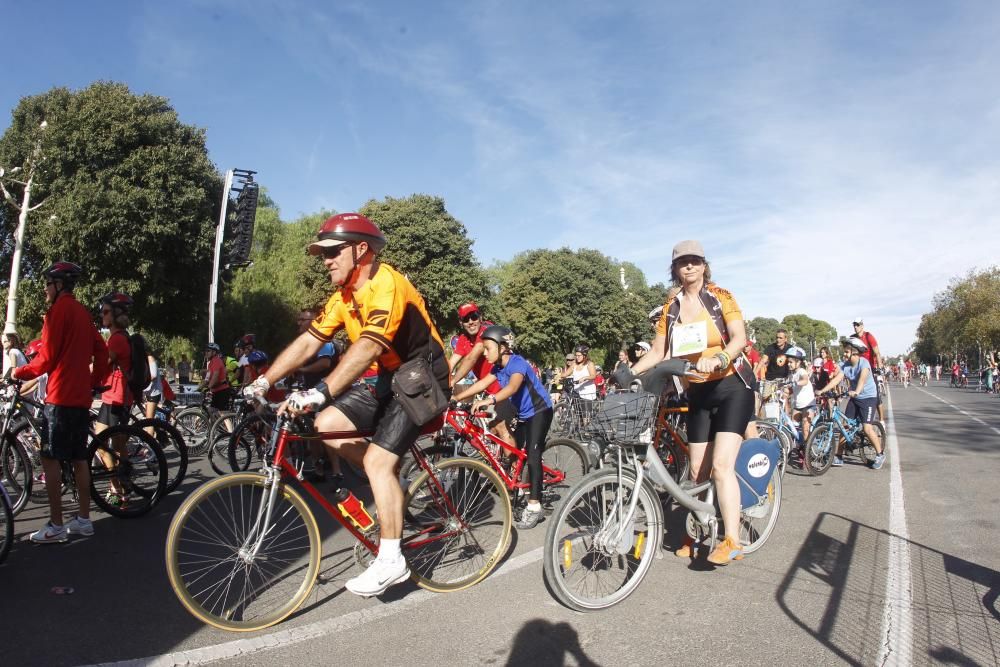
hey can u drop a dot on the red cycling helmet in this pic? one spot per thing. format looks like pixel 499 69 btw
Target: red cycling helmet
pixel 33 348
pixel 249 339
pixel 467 308
pixel 118 300
pixel 347 228
pixel 68 272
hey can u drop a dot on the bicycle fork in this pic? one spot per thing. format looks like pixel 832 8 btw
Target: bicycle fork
pixel 262 525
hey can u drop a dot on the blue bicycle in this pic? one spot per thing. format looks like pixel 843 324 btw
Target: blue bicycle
pixel 834 428
pixel 778 425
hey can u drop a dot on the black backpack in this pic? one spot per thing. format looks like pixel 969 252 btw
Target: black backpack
pixel 138 377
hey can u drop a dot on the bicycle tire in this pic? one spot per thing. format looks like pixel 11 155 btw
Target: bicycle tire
pixel 409 469
pixel 771 431
pixel 245 443
pixel 6 526
pixel 444 556
pixel 820 449
pixel 754 530
pixel 142 472
pixel 16 472
pixel 174 449
pixel 195 539
pixel 590 511
pixel 866 450
pixel 676 461
pixel 567 456
pixel 27 436
pixel 193 422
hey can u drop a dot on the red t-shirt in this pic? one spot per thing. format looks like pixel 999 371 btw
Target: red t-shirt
pixel 753 356
pixel 69 342
pixel 464 345
pixel 217 367
pixel 870 341
pixel 120 350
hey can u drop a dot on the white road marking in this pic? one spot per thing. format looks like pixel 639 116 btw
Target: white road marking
pixel 897 628
pixel 955 407
pixel 242 647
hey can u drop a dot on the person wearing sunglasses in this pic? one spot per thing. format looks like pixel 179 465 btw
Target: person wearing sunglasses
pixel 470 356
pixel 387 322
pixel 70 343
pixel 704 325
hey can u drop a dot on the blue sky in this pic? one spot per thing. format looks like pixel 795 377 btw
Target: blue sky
pixel 838 159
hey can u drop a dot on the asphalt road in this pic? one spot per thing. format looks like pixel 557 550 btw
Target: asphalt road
pixel 857 572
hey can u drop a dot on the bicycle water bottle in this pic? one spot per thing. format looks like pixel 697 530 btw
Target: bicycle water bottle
pixel 353 509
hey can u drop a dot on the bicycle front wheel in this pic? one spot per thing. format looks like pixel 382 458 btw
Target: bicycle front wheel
pixel 128 472
pixel 249 439
pixel 757 522
pixel 226 568
pixel 820 449
pixel 16 472
pixel 595 554
pixel 193 423
pixel 456 525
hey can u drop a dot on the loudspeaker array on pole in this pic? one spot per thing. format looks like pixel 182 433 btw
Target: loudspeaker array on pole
pixel 243 213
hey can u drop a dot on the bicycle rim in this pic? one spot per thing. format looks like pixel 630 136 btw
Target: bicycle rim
pixel 193 423
pixel 16 473
pixel 208 561
pixel 174 449
pixel 586 567
pixel 569 458
pixel 451 550
pixel 134 481
pixel 249 436
pixel 819 449
pixel 755 528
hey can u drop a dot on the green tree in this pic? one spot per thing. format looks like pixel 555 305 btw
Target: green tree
pixel 763 329
pixel 130 194
pixel 965 319
pixel 808 333
pixel 433 249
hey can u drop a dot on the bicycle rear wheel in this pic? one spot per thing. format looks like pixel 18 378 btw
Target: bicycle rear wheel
pixel 174 449
pixel 224 571
pixel 568 457
pixel 866 451
pixel 590 562
pixel 757 522
pixel 16 472
pixel 128 481
pixel 247 442
pixel 820 449
pixel 193 423
pixel 456 525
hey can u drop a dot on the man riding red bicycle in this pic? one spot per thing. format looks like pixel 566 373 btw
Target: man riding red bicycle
pixel 387 322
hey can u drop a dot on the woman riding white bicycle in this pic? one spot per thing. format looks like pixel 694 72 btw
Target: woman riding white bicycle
pixel 704 325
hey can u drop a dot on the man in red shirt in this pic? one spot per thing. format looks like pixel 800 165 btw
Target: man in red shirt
pixel 70 343
pixel 874 357
pixel 469 356
pixel 216 380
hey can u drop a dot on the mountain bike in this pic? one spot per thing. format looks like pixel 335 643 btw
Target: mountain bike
pixel 834 428
pixel 603 539
pixel 243 551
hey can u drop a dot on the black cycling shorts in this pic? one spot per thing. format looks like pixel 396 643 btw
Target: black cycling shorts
pixel 67 431
pixel 223 400
pixel 393 429
pixel 112 415
pixel 721 406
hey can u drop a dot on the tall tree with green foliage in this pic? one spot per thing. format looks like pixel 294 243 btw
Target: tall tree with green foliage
pixel 130 195
pixel 808 333
pixel 433 249
pixel 965 318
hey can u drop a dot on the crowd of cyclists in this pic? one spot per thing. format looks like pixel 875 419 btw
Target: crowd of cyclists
pixel 353 387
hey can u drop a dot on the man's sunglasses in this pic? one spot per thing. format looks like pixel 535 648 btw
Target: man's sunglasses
pixel 471 317
pixel 333 251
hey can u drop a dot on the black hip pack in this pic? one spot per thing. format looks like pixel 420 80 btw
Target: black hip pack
pixel 418 392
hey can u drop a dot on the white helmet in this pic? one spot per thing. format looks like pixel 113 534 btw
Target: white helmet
pixel 857 344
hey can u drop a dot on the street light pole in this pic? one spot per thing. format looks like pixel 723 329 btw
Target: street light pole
pixel 10 325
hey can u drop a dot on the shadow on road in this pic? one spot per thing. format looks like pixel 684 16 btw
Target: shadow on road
pixel 542 643
pixel 836 590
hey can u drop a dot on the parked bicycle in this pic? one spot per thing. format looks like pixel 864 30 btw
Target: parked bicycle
pixel 603 539
pixel 243 551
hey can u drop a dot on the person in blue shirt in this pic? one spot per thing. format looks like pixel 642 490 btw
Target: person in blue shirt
pixel 532 403
pixel 863 394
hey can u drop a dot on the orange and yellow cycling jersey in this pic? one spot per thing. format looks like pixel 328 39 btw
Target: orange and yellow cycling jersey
pixel 713 343
pixel 386 309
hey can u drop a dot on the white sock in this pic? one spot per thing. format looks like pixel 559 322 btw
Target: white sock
pixel 388 550
pixel 535 505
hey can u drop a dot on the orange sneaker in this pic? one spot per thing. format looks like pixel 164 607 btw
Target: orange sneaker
pixel 686 550
pixel 727 550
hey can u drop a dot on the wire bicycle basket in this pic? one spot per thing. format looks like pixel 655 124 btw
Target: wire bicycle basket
pixel 624 417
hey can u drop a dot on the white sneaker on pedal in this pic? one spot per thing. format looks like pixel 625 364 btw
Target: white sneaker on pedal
pixel 379 576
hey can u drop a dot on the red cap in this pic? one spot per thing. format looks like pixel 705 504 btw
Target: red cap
pixel 467 308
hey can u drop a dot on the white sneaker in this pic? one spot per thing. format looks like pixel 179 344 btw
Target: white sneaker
pixel 80 526
pixel 48 534
pixel 379 576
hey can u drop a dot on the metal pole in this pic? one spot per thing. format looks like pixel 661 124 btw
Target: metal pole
pixel 10 326
pixel 220 231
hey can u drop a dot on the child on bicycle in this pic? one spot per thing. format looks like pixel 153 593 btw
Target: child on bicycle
pixel 803 401
pixel 533 405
